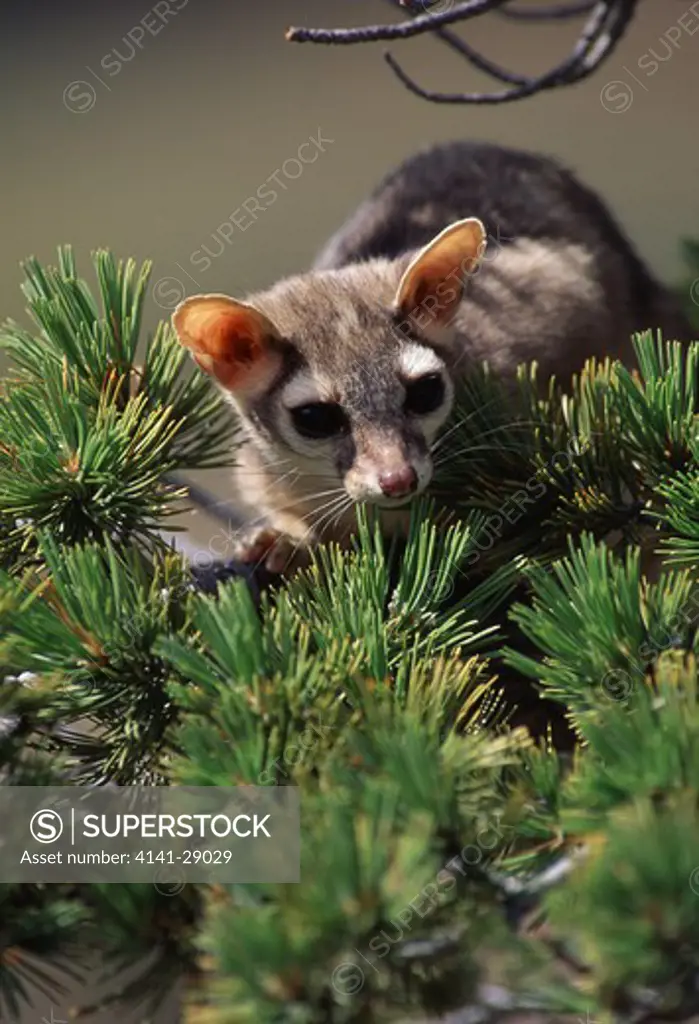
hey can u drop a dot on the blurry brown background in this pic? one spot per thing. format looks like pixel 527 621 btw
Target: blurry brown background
pixel 155 153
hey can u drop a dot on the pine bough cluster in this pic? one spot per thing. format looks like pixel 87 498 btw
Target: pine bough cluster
pixel 494 725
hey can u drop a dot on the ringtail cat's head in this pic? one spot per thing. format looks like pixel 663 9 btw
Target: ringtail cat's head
pixel 345 374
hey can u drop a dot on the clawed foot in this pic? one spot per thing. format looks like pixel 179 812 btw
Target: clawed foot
pixel 277 551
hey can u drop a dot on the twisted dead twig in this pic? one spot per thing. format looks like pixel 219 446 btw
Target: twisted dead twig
pixel 604 28
pixel 373 33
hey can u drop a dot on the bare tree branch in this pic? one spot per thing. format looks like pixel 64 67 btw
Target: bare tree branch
pixel 375 33
pixel 461 47
pixel 606 25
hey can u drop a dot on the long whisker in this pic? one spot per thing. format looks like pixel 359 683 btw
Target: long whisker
pixel 288 505
pixel 332 506
pixel 340 500
pixel 439 441
pixel 328 504
pixel 272 484
pixel 469 416
pixel 269 463
pixel 468 449
pixel 462 420
pixel 336 518
pixel 489 433
pixel 514 425
pixel 293 472
pixel 309 498
pixel 322 524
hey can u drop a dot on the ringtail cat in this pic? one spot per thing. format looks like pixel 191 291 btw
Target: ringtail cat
pixel 342 376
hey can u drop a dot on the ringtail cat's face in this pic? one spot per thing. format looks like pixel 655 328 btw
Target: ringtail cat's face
pixel 343 376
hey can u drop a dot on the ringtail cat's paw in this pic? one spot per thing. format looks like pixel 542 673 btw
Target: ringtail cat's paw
pixel 277 551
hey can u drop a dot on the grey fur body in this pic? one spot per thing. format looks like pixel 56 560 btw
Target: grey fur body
pixel 564 283
pixel 557 282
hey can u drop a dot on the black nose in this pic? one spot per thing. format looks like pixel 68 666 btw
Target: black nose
pixel 398 482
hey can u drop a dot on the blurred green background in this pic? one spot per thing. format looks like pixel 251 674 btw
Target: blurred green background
pixel 149 147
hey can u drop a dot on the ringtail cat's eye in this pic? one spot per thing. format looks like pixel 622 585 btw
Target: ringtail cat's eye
pixel 319 420
pixel 424 395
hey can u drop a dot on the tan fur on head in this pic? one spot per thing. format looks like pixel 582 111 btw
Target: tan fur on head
pixel 331 337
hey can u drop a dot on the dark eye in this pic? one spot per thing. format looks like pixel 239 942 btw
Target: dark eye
pixel 319 419
pixel 424 395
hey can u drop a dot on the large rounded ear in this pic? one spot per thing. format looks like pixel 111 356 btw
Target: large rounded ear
pixel 229 340
pixel 433 285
